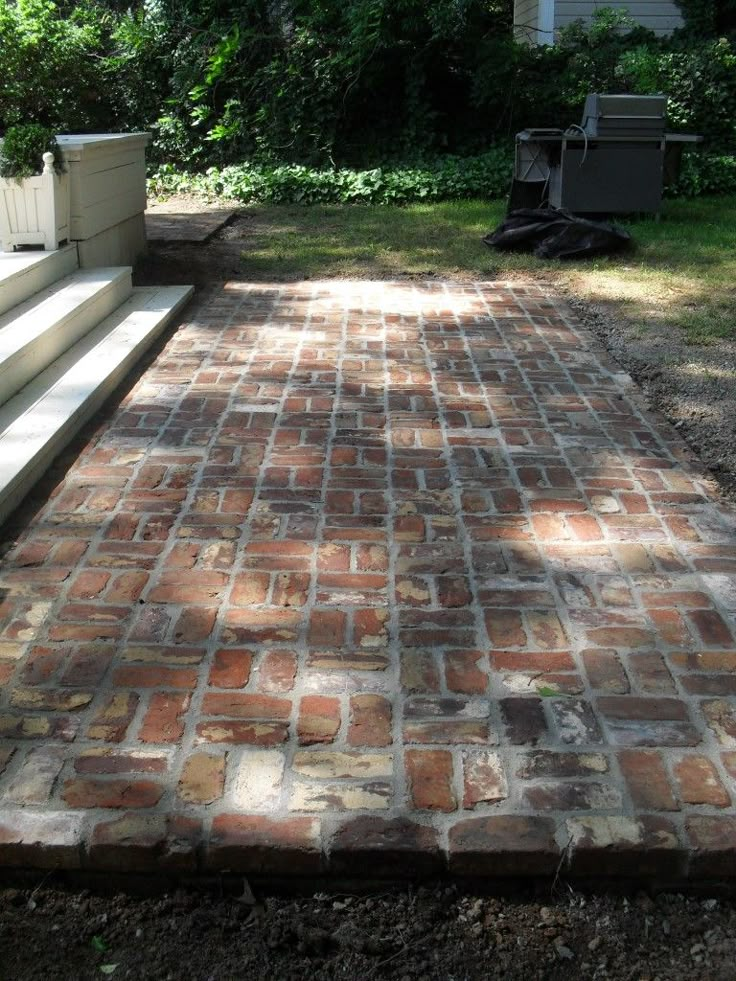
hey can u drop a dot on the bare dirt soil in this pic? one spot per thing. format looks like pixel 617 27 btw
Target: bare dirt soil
pixel 427 933
pixel 694 386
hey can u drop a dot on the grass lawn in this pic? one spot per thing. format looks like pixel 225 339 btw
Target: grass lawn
pixel 682 271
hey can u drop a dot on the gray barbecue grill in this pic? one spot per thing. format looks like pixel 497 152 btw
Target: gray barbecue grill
pixel 618 160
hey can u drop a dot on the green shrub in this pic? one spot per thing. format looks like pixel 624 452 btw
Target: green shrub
pixel 705 173
pixel 51 64
pixel 484 176
pixel 22 150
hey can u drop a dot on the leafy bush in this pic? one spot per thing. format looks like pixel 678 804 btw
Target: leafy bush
pixel 484 176
pixel 22 150
pixel 705 173
pixel 51 66
pixel 357 94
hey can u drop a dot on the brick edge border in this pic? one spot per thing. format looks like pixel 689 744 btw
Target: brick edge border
pixel 644 850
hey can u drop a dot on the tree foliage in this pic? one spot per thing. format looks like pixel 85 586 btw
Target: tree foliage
pixel 342 83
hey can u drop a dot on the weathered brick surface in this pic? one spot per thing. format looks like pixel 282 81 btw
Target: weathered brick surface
pixel 382 577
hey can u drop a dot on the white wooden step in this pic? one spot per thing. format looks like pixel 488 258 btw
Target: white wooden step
pixel 37 332
pixel 39 421
pixel 24 273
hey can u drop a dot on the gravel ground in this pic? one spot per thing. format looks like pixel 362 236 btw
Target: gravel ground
pixel 416 934
pixel 693 386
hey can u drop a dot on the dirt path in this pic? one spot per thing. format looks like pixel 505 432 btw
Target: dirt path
pixel 429 933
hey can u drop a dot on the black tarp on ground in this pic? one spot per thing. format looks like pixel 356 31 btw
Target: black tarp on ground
pixel 556 234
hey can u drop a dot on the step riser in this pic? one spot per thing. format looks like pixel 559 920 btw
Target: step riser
pixel 19 369
pixel 21 285
pixel 27 447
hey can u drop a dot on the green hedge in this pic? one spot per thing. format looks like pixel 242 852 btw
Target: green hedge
pixel 485 176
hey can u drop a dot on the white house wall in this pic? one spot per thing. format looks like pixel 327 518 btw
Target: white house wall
pixel 526 13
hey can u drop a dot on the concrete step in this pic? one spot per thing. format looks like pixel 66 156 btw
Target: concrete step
pixel 24 273
pixel 41 419
pixel 36 332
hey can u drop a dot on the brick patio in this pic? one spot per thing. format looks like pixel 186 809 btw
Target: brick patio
pixel 374 578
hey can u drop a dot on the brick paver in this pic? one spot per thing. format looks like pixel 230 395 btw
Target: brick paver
pixel 374 578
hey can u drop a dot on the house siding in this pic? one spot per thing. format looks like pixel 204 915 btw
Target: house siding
pixel 526 20
pixel 660 16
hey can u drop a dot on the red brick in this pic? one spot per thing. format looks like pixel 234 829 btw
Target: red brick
pixel 250 589
pixel 547 763
pixel 112 793
pixel 50 699
pixel 385 847
pixel 524 720
pixel 721 717
pixel 230 668
pixel 246 706
pixel 453 591
pixel 41 663
pixel 419 672
pixel 620 638
pixel 651 674
pixel 712 628
pixel 370 721
pixel 549 527
pixel 112 719
pixel 88 665
pixel 44 839
pixel 571 796
pixel 369 627
pixel 699 783
pixel 646 779
pixel 619 846
pixel 532 661
pixel 332 557
pixel 127 587
pixel 503 845
pixel 505 628
pixel 142 842
pixel 181 586
pixel 319 719
pixel 120 761
pixel 202 779
pixel 291 589
pixel 463 672
pixel 484 780
pixel 371 558
pixel 155 677
pixel 34 781
pixel 94 612
pixel 631 707
pixel 430 775
pixel 409 528
pixel 88 584
pixel 85 632
pixel 584 527
pixel 247 843
pixel 195 624
pixel 605 671
pixel 163 721
pixel 327 628
pixel 713 841
pixel 237 501
pixel 247 626
pixel 255 733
